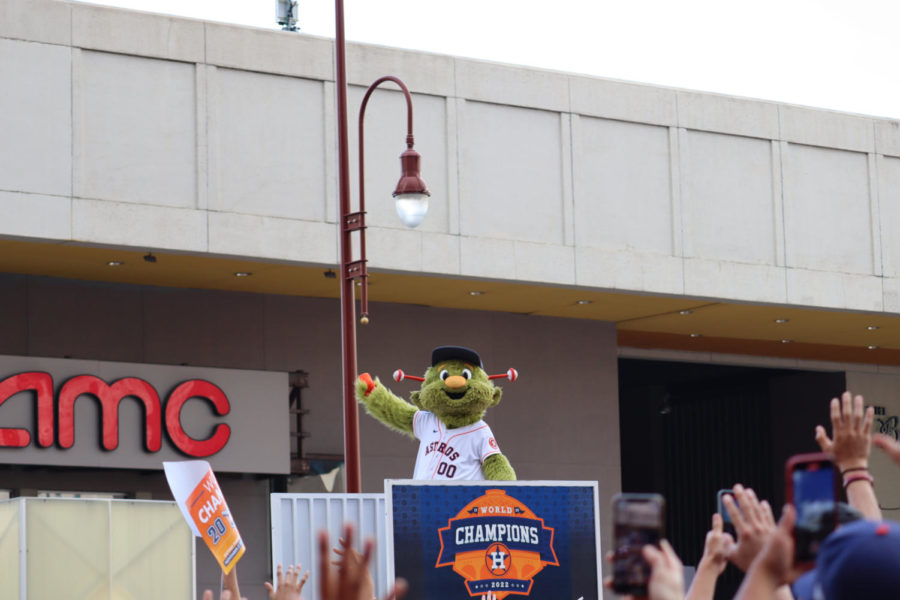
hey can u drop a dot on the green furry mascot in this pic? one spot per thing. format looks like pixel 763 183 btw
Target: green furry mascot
pixel 445 416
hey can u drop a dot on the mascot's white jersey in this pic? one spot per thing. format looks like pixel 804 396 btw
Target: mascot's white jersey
pixel 454 454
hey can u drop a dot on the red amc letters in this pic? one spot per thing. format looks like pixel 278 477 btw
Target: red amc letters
pixel 109 396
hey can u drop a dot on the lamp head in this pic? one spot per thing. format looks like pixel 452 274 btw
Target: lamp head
pixel 411 194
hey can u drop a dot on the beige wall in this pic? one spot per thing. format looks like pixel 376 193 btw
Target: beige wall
pixel 881 389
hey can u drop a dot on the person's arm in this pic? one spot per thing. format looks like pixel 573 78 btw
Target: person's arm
pixel 712 563
pixel 851 426
pixel 226 595
pixel 784 593
pixel 231 583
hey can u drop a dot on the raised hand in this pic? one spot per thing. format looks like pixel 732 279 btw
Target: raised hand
pixel 289 585
pixel 777 557
pixel 753 522
pixel 713 562
pixel 851 428
pixel 666 572
pixel 351 559
pixel 889 445
pixel 775 564
pixel 717 545
pixel 349 583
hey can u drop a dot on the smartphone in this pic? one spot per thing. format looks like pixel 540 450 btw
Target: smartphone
pixel 812 485
pixel 638 520
pixel 720 508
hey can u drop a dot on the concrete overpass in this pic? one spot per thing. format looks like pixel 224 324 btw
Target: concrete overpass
pixel 139 131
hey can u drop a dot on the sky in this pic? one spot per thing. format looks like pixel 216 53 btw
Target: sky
pixel 832 54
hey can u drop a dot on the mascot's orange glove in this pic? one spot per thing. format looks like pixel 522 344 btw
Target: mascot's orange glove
pixel 370 384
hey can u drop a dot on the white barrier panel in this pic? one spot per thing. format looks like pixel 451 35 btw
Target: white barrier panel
pixel 90 548
pixel 298 518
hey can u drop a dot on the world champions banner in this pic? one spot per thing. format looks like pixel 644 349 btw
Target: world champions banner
pixel 537 539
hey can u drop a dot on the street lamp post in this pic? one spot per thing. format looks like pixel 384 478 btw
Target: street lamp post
pixel 411 196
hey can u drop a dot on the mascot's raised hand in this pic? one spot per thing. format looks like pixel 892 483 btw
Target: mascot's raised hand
pixel 445 414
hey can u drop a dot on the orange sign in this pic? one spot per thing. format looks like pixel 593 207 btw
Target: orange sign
pixel 207 507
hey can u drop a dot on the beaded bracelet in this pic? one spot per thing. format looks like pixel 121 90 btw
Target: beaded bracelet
pixel 858 477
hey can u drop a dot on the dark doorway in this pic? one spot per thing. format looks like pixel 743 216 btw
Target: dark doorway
pixel 689 430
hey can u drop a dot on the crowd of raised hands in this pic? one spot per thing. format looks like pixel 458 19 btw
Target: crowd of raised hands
pixel 761 548
pixel 764 549
pixel 347 577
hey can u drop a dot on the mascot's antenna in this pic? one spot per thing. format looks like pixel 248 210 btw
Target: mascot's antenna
pixel 399 375
pixel 511 374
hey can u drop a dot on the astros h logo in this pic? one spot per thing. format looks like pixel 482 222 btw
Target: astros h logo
pixel 496 544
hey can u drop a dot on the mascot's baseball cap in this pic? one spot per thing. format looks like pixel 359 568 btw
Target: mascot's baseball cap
pixel 859 560
pixel 444 353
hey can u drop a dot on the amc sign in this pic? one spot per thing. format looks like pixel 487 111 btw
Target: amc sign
pixel 110 396
pixel 142 415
